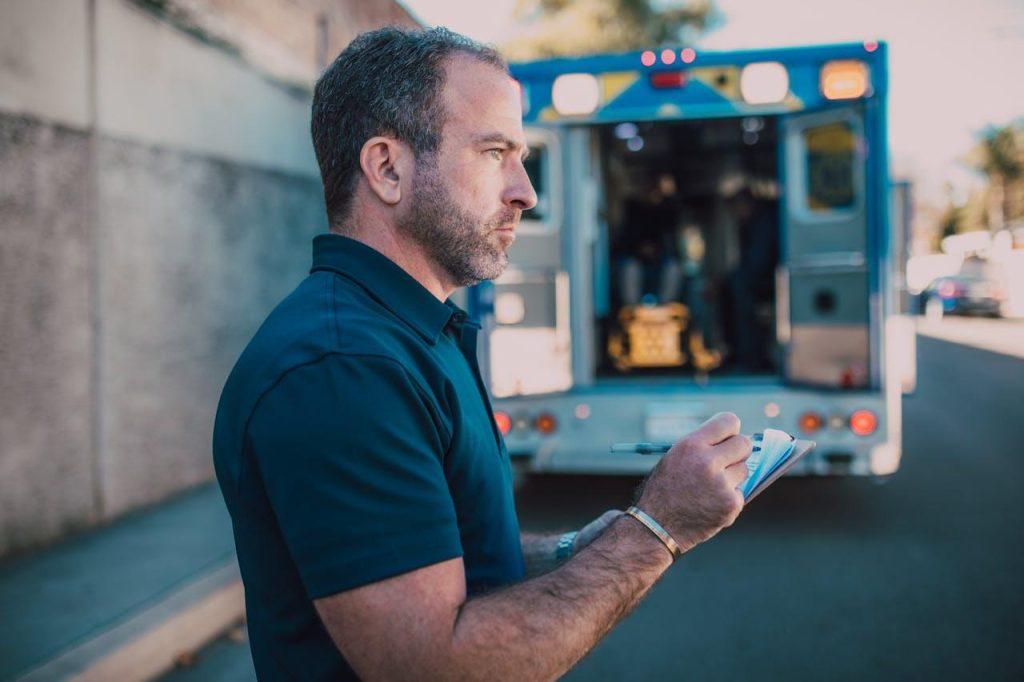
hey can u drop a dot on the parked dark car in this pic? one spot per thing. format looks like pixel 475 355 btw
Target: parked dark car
pixel 962 295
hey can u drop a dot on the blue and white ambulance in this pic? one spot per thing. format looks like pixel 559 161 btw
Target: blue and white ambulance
pixel 712 233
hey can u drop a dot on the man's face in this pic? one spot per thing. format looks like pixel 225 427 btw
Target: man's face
pixel 468 197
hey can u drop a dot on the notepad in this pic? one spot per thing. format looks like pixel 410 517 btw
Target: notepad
pixel 774 453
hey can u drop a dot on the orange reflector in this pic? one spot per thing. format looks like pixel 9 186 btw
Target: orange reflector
pixel 863 422
pixel 809 422
pixel 545 423
pixel 844 79
pixel 503 421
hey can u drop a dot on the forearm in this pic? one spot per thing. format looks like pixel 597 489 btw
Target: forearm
pixel 540 628
pixel 539 553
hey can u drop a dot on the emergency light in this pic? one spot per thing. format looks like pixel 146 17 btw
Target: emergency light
pixel 764 83
pixel 844 79
pixel 575 94
pixel 863 422
pixel 504 422
pixel 668 79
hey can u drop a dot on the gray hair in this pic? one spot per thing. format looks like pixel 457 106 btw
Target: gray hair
pixel 386 82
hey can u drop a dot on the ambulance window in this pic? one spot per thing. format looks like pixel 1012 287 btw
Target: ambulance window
pixel 537 168
pixel 831 154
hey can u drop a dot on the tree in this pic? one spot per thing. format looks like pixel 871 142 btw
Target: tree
pixel 1000 156
pixel 552 28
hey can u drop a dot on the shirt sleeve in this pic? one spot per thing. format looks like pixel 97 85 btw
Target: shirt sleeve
pixel 351 458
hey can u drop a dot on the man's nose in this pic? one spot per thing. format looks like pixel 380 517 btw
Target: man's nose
pixel 519 191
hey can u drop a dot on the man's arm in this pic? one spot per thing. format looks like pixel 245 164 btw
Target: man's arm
pixel 420 624
pixel 539 552
pixel 536 629
pixel 540 549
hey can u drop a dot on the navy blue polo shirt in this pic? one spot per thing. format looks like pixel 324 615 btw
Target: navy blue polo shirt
pixel 355 441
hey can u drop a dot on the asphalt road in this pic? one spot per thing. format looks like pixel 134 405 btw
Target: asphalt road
pixel 917 578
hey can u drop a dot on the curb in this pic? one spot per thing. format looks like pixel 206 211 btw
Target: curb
pixel 147 643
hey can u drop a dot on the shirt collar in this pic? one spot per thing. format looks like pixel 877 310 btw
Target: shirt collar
pixel 389 284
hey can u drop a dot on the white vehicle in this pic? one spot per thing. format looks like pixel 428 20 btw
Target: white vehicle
pixel 575 362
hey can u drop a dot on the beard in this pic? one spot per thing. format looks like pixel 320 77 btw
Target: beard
pixel 459 242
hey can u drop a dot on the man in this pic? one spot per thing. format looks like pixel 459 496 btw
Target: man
pixel 646 248
pixel 368 485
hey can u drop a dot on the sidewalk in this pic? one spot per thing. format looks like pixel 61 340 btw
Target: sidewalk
pixel 122 602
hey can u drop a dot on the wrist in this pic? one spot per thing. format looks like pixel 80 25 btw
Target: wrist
pixel 566 546
pixel 652 525
pixel 630 538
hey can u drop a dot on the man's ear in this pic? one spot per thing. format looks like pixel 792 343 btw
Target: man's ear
pixel 386 163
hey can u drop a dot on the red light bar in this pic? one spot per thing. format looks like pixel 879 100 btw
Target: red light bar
pixel 668 79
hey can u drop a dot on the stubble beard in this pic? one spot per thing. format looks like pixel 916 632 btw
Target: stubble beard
pixel 457 241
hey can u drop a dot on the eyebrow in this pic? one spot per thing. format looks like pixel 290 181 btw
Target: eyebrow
pixel 504 140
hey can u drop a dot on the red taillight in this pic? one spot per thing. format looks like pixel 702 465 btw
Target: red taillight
pixel 668 79
pixel 809 422
pixel 503 421
pixel 947 289
pixel 545 423
pixel 863 422
pixel 648 58
pixel 668 56
pixel 688 55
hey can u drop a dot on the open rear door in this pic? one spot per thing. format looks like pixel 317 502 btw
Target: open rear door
pixel 824 282
pixel 525 313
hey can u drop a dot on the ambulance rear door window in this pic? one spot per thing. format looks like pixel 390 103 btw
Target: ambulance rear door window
pixel 831 151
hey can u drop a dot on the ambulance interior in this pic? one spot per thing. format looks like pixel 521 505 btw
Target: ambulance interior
pixel 689 248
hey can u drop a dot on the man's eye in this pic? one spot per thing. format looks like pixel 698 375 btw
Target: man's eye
pixel 496 153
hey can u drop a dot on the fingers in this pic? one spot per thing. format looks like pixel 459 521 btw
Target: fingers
pixel 736 473
pixel 718 428
pixel 733 449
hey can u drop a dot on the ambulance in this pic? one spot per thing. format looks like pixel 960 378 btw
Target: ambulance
pixel 712 233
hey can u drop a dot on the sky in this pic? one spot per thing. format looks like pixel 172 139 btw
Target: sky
pixel 956 66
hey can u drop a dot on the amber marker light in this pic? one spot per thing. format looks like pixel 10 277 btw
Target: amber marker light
pixel 844 79
pixel 809 422
pixel 863 422
pixel 545 423
pixel 503 421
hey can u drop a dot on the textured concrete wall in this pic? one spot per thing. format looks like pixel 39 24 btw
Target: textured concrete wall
pixel 46 473
pixel 195 252
pixel 158 195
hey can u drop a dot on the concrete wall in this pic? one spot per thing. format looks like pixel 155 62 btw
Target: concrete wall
pixel 158 194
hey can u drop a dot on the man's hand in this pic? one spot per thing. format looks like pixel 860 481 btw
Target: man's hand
pixel 692 491
pixel 593 530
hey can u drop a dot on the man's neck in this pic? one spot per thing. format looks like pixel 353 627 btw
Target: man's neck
pixel 407 254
